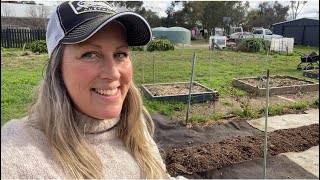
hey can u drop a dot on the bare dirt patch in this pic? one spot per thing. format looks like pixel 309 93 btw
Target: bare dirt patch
pixel 276 81
pixel 174 89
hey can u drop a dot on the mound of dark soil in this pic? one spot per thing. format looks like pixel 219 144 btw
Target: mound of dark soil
pixel 208 152
pixel 202 158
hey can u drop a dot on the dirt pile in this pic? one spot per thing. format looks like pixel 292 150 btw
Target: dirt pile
pixel 202 158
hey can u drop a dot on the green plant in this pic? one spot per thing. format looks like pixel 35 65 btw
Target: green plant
pixel 315 103
pixel 198 119
pixel 227 104
pixel 136 48
pixel 254 45
pixel 39 46
pixel 28 45
pixel 160 45
pixel 246 110
pixel 282 109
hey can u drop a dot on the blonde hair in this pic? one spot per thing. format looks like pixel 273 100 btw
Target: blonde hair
pixel 54 112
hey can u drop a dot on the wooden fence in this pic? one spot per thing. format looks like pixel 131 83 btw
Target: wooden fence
pixel 16 38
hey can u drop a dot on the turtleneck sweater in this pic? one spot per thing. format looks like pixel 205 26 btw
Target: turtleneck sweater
pixel 26 153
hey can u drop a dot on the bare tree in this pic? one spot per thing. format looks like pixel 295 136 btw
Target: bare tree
pixel 296 7
pixel 6 10
pixel 38 15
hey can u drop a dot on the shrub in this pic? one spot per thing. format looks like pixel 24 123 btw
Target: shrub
pixel 136 48
pixel 193 38
pixel 39 46
pixel 160 45
pixel 28 45
pixel 241 46
pixel 254 45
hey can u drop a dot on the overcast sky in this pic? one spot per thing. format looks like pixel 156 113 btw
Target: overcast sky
pixel 311 9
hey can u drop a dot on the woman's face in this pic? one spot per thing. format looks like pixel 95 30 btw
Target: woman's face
pixel 98 72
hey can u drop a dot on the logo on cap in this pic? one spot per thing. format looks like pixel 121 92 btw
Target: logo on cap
pixel 80 7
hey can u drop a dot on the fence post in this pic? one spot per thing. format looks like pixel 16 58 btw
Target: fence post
pixel 8 34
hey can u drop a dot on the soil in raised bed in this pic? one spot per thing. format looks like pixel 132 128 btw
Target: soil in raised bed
pixel 174 89
pixel 276 81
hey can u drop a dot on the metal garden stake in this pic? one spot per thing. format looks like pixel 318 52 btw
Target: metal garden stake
pixel 266 127
pixel 190 87
pixel 153 69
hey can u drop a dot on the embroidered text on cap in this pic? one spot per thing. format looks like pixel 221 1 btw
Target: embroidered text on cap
pixel 87 6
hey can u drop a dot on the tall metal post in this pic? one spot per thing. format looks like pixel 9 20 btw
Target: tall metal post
pixel 153 70
pixel 190 87
pixel 266 128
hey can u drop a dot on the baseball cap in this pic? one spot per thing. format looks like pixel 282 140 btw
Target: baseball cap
pixel 73 22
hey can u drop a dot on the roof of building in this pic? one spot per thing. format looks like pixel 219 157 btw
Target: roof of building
pixel 312 18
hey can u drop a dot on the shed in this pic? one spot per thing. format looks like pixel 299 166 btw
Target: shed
pixel 304 30
pixel 173 34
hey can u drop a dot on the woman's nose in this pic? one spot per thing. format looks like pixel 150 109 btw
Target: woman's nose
pixel 110 70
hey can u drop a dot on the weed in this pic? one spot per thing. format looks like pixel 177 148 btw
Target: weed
pixel 247 110
pixel 198 119
pixel 315 103
pixel 227 104
pixel 282 109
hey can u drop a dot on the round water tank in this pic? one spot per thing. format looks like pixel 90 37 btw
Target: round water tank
pixel 173 34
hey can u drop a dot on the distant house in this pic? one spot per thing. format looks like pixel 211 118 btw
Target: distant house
pixel 304 31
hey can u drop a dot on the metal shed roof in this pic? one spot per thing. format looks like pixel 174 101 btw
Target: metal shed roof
pixel 312 18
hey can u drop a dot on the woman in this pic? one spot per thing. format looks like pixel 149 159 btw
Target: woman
pixel 87 120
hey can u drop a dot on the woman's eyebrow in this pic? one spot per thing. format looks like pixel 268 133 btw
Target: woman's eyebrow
pixel 122 46
pixel 89 45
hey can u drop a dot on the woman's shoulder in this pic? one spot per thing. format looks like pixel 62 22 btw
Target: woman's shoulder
pixel 24 150
pixel 22 135
pixel 18 131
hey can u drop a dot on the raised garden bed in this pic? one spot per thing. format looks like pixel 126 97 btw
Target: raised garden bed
pixel 179 92
pixel 277 85
pixel 311 73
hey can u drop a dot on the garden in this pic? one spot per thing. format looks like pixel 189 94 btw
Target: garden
pixel 209 137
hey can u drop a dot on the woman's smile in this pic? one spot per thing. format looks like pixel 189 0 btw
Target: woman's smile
pixel 108 95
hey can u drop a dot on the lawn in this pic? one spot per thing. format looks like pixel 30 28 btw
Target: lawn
pixel 20 74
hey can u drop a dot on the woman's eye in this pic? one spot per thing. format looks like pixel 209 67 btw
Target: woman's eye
pixel 121 55
pixel 90 55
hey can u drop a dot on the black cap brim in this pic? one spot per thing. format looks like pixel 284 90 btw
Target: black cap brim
pixel 137 29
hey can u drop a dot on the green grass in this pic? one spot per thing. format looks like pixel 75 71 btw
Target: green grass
pixel 202 119
pixel 19 79
pixel 163 107
pixel 281 109
pixel 20 75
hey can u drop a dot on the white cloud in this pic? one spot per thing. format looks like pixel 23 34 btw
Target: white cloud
pixel 157 6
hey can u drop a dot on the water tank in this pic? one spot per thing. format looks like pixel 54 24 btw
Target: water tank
pixel 173 34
